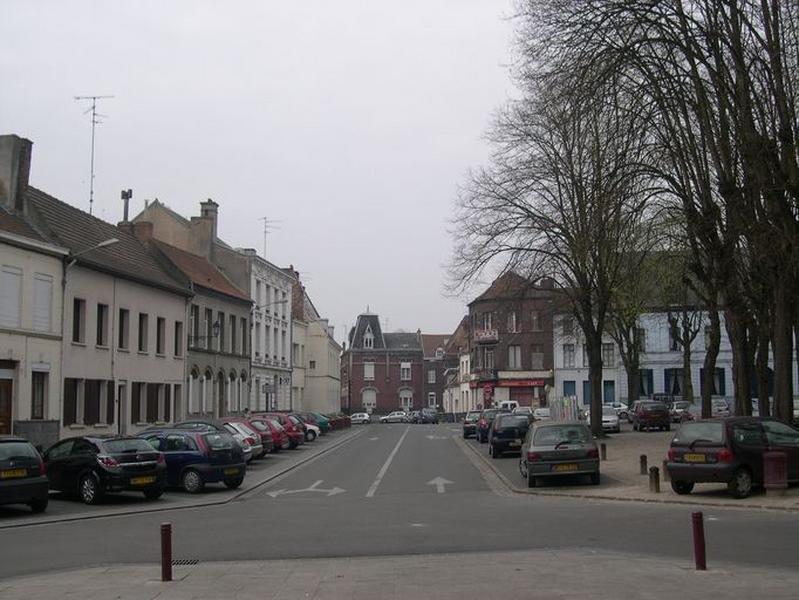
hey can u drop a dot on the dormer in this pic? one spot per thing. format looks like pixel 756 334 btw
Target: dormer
pixel 368 338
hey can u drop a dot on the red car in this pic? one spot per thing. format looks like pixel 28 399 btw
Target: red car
pixel 280 438
pixel 267 439
pixel 296 435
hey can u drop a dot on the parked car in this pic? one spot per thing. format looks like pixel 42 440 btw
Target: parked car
pixel 414 417
pixel 215 425
pixel 360 418
pixel 677 408
pixel 470 423
pixel 610 420
pixel 313 419
pixel 23 478
pixel 651 415
pixel 484 423
pixel 295 433
pixel 196 457
pixel 428 415
pixel 523 410
pixel 621 409
pixel 729 450
pixel 95 465
pixel 246 435
pixel 280 438
pixel 312 430
pixel 322 421
pixel 541 414
pixel 553 450
pixel 506 433
pixel 398 416
pixel 259 429
pixel 720 408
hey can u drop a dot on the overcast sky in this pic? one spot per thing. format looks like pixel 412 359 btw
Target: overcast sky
pixel 349 122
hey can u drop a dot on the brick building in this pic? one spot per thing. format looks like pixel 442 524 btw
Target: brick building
pixel 381 372
pixel 436 361
pixel 510 335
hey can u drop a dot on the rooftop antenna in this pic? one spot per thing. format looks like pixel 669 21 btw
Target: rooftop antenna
pixel 270 225
pixel 95 122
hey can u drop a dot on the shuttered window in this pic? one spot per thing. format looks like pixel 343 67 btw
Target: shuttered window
pixel 42 302
pixel 10 296
pixel 70 401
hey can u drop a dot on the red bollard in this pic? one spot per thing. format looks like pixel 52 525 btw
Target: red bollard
pixel 699 541
pixel 166 551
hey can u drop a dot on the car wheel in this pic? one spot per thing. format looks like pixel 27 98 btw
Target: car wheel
pixel 623 415
pixel 682 487
pixel 153 493
pixel 741 484
pixel 635 426
pixel 594 478
pixel 234 483
pixel 192 481
pixel 531 482
pixel 310 436
pixel 39 505
pixel 492 452
pixel 89 490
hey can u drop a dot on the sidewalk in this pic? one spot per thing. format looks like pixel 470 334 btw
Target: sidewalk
pixel 621 478
pixel 574 574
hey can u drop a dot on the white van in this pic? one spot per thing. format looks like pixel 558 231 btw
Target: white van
pixel 508 405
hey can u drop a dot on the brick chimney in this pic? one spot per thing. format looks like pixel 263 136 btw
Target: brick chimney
pixel 15 167
pixel 143 230
pixel 210 210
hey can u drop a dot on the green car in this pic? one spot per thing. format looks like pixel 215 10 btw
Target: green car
pixel 323 421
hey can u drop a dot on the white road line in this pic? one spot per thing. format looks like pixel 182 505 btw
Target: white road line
pixel 386 465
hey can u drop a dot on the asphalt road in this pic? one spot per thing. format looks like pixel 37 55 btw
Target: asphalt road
pixel 378 494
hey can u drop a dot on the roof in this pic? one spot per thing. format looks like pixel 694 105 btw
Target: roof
pixel 79 231
pixel 16 224
pixel 200 271
pixel 459 340
pixel 362 324
pixel 432 341
pixel 401 341
pixel 510 285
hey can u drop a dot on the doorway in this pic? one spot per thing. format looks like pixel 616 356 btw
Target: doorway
pixel 6 389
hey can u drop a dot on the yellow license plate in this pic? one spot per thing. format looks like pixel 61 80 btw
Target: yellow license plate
pixel 142 480
pixel 515 443
pixel 233 471
pixel 11 473
pixel 566 467
pixel 695 458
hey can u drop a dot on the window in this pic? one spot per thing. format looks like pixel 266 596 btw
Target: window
pixel 568 356
pixel 674 381
pixel 123 340
pixel 42 302
pixel 10 296
pixel 431 376
pixel 208 324
pixel 406 400
pixel 160 335
pixel 243 335
pixel 38 393
pixel 257 340
pixel 70 401
pixel 535 320
pixel 439 353
pixel 646 382
pixel 431 399
pixel 143 327
pixel 220 341
pixel 488 359
pixel 405 371
pixel 233 341
pixel 780 434
pixel 514 357
pixel 284 303
pixel 487 320
pixel 369 400
pixel 258 302
pixel 537 356
pixel 194 326
pixel 512 322
pixel 608 355
pixel 78 320
pixel 312 364
pixel 178 338
pixel 368 338
pixel 368 371
pixel 568 325
pixel 102 325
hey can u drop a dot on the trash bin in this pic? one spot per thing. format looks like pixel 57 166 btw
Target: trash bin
pixel 775 471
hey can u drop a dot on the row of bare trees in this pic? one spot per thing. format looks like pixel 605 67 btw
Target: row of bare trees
pixel 646 127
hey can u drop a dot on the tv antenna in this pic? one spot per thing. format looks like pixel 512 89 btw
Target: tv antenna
pixel 270 225
pixel 95 121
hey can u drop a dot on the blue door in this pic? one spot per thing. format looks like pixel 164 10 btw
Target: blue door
pixel 609 392
pixel 569 388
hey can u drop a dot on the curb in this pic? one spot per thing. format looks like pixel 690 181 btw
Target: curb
pixel 533 492
pixel 202 504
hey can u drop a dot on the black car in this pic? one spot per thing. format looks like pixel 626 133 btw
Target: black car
pixel 506 434
pixel 428 415
pixel 729 450
pixel 22 474
pixel 484 423
pixel 470 423
pixel 93 465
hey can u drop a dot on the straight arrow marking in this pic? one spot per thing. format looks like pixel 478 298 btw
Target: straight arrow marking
pixel 439 482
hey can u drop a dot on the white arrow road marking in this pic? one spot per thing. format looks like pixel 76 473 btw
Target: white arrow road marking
pixel 439 482
pixel 373 439
pixel 314 488
pixel 384 468
pixel 437 437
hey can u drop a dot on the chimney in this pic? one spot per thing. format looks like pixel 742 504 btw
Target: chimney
pixel 210 210
pixel 126 196
pixel 143 230
pixel 15 167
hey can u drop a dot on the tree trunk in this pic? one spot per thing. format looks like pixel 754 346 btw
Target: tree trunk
pixel 711 354
pixel 783 354
pixel 736 329
pixel 761 369
pixel 633 383
pixel 594 349
pixel 687 382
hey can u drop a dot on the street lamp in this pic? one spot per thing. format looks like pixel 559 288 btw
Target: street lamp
pixel 72 257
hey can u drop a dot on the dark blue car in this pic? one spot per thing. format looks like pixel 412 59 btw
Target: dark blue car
pixel 194 458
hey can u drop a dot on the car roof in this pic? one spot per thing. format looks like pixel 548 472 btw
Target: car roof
pixel 13 438
pixel 540 424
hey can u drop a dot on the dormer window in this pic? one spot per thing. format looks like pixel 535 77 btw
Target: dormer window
pixel 439 353
pixel 368 338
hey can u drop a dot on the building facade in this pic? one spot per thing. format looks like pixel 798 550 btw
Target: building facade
pixel 437 357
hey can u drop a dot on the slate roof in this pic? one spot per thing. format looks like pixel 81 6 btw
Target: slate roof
pixel 12 223
pixel 402 341
pixel 459 340
pixel 363 322
pixel 78 231
pixel 200 271
pixel 505 287
pixel 432 341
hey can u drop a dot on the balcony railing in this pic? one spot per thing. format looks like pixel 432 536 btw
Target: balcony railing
pixel 486 336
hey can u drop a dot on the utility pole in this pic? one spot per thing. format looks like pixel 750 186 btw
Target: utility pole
pixel 270 225
pixel 95 122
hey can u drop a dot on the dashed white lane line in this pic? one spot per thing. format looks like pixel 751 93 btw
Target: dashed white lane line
pixel 386 465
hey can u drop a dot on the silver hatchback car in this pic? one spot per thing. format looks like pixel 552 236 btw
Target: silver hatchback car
pixel 553 450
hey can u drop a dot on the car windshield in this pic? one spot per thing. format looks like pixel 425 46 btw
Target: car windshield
pixel 218 441
pixel 700 433
pixel 259 426
pixel 9 450
pixel 650 406
pixel 556 434
pixel 126 446
pixel 512 421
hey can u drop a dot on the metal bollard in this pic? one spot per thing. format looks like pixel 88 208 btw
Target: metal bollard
pixel 643 464
pixel 654 480
pixel 699 541
pixel 665 471
pixel 603 451
pixel 166 551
